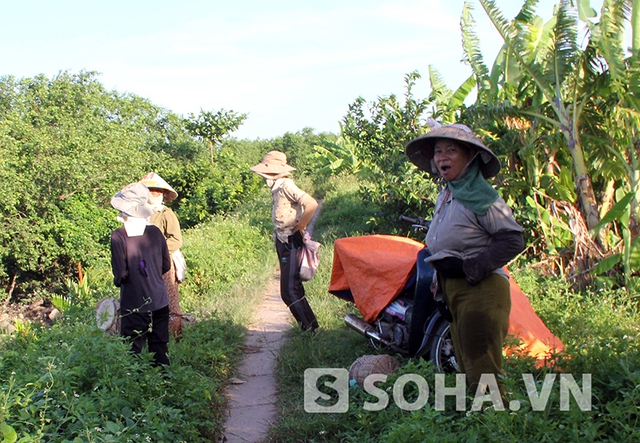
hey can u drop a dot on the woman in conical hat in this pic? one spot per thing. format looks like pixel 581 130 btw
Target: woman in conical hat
pixel 292 211
pixel 139 258
pixel 165 219
pixel 472 236
pixel 155 182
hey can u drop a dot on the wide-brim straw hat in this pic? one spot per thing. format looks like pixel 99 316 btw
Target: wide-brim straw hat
pixel 420 150
pixel 133 200
pixel 153 180
pixel 273 164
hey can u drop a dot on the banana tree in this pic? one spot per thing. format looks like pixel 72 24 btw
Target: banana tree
pixel 557 76
pixel 622 127
pixel 448 104
pixel 584 93
pixel 503 91
pixel 536 174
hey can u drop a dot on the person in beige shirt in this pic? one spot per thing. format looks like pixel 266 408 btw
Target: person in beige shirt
pixel 165 219
pixel 292 211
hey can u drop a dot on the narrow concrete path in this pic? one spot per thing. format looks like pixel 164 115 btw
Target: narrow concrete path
pixel 252 395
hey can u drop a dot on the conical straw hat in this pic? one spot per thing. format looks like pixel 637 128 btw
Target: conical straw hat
pixel 420 149
pixel 153 180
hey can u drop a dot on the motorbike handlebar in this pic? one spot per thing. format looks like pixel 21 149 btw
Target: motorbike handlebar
pixel 418 223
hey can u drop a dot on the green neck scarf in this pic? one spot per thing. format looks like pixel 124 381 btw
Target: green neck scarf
pixel 473 191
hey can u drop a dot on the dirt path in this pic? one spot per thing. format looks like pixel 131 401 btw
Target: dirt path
pixel 251 399
pixel 251 396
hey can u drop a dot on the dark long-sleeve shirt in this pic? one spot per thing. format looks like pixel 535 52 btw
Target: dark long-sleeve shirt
pixel 458 232
pixel 138 264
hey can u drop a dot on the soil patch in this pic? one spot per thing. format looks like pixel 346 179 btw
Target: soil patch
pixel 39 311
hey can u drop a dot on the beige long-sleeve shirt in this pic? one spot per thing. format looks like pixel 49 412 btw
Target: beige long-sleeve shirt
pixel 292 208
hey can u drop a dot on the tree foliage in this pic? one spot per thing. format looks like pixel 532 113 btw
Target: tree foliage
pixel 558 106
pixel 568 102
pixel 66 146
pixel 378 132
pixel 213 127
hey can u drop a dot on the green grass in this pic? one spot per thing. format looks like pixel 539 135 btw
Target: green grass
pixel 228 263
pixel 71 383
pixel 599 330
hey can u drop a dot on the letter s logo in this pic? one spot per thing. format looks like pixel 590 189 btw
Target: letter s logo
pixel 331 395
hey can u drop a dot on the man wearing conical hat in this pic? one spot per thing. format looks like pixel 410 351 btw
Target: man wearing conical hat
pixel 292 211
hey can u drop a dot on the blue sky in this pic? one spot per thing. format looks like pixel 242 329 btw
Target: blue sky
pixel 288 64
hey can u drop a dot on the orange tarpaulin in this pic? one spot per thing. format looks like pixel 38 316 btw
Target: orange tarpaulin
pixel 372 270
pixel 525 324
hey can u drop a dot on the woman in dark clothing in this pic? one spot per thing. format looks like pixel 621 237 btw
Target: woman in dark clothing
pixel 139 257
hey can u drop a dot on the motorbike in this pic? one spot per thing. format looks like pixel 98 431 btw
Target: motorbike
pixel 413 323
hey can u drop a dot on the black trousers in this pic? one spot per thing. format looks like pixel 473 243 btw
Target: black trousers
pixel 291 289
pixel 150 328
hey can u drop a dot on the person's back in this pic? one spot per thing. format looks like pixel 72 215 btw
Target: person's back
pixel 165 219
pixel 139 257
pixel 138 264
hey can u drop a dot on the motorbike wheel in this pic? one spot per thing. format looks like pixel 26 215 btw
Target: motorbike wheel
pixel 441 351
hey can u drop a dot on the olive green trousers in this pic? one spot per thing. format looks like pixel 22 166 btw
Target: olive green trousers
pixel 480 323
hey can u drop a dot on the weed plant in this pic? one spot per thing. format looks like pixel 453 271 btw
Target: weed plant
pixel 71 383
